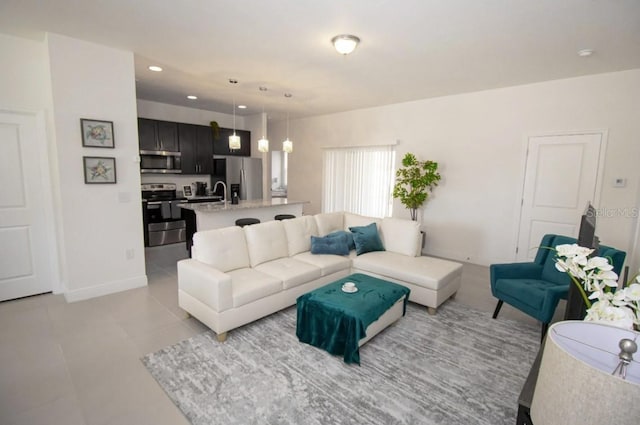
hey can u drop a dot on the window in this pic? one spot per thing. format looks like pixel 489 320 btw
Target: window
pixel 358 180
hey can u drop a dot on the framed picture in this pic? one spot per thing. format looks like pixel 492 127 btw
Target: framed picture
pixel 97 134
pixel 99 170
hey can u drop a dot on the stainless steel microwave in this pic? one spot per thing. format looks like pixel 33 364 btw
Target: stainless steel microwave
pixel 160 162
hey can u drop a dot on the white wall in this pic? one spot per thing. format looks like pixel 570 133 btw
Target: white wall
pixel 479 141
pixel 166 112
pixel 99 223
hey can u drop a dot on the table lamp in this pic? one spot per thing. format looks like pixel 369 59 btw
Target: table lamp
pixel 581 376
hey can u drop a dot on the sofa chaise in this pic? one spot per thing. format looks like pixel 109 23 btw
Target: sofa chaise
pixel 237 275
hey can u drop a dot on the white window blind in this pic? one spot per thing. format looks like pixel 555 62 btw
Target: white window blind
pixel 358 180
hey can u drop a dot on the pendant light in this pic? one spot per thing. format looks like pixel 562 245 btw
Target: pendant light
pixel 287 145
pixel 263 144
pixel 234 139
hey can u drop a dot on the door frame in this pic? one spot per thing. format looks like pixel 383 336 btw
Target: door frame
pixel 604 136
pixel 50 220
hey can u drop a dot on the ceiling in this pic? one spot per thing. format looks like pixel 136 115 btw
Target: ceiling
pixel 410 49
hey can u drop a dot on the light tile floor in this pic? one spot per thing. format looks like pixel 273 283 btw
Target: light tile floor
pixel 79 363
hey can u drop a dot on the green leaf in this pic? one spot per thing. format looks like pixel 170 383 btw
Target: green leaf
pixel 415 181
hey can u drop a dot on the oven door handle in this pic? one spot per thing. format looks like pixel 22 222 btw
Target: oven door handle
pixel 154 203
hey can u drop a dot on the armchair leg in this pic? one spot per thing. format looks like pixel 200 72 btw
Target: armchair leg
pixel 545 327
pixel 498 307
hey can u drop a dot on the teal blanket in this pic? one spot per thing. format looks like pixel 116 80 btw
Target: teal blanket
pixel 335 321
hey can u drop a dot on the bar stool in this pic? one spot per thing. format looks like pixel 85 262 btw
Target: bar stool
pixel 246 221
pixel 284 216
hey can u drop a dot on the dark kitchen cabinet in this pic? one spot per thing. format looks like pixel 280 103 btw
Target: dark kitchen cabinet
pixel 155 135
pixel 221 143
pixel 196 148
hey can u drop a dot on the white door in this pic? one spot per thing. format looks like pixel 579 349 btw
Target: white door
pixel 560 178
pixel 24 255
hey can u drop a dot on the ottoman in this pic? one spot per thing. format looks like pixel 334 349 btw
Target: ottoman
pixel 340 322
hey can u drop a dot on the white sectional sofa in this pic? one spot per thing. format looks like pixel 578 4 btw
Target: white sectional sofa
pixel 238 275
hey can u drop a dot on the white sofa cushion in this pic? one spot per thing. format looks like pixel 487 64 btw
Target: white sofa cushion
pixel 328 263
pixel 356 220
pixel 290 271
pixel 401 236
pixel 266 242
pixel 329 222
pixel 299 231
pixel 428 272
pixel 249 285
pixel 225 249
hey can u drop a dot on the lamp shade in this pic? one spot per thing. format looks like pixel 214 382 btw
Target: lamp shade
pixel 263 145
pixel 234 141
pixel 575 383
pixel 345 43
pixel 287 146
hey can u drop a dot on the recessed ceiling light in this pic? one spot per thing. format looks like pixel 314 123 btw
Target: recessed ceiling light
pixel 585 52
pixel 192 97
pixel 242 106
pixel 155 68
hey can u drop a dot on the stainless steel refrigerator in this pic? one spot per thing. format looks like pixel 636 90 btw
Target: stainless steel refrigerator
pixel 247 172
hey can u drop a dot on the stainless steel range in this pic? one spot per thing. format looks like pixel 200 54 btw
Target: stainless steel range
pixel 163 223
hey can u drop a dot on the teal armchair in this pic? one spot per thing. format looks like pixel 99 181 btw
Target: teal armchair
pixel 535 288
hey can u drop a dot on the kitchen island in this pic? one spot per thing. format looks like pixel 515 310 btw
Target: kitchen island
pixel 214 215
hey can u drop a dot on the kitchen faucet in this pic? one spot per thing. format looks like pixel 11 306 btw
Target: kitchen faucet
pixel 224 189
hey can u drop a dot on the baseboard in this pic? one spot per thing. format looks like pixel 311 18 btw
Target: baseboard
pixel 455 256
pixel 105 288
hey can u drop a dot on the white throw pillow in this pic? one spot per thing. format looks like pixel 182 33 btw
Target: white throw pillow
pixel 266 241
pixel 329 222
pixel 401 236
pixel 299 231
pixel 225 249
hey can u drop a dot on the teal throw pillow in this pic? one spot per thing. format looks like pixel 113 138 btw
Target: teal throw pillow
pixel 350 243
pixel 336 245
pixel 366 238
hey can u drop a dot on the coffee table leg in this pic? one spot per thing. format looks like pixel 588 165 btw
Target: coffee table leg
pixel 431 310
pixel 221 337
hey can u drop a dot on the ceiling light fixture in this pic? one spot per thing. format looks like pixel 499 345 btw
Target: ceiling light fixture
pixel 263 144
pixel 155 68
pixel 234 139
pixel 242 106
pixel 585 53
pixel 345 43
pixel 192 97
pixel 287 145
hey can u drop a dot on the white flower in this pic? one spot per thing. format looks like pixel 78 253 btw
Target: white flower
pixel 598 263
pixel 609 278
pixel 618 307
pixel 632 292
pixel 573 250
pixel 603 311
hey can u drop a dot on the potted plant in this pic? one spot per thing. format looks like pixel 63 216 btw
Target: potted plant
pixel 414 181
pixel 215 128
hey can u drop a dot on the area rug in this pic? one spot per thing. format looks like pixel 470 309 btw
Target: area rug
pixel 456 367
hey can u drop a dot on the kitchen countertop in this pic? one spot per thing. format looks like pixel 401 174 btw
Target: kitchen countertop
pixel 257 203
